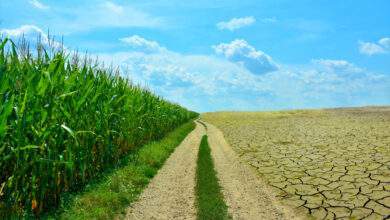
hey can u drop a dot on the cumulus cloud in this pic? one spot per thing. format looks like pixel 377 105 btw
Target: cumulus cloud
pixel 209 74
pixel 240 52
pixel 24 29
pixel 199 82
pixel 339 66
pixel 210 83
pixel 370 48
pixel 38 4
pixel 385 42
pixel 236 23
pixel 138 42
pixel 112 7
pixel 31 33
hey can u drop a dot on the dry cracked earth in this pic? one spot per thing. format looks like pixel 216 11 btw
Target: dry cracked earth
pixel 329 164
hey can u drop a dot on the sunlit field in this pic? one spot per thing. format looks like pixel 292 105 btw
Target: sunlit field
pixel 170 109
pixel 326 163
pixel 64 120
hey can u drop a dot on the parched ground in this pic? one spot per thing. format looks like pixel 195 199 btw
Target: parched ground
pixel 326 163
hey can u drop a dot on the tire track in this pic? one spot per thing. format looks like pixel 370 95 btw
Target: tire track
pixel 170 194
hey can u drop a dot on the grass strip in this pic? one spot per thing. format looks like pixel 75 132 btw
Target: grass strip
pixel 209 199
pixel 110 196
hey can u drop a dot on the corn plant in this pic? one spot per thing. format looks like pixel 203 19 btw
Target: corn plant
pixel 63 121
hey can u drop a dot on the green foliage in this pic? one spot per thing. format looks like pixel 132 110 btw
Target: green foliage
pixel 109 198
pixel 209 198
pixel 62 122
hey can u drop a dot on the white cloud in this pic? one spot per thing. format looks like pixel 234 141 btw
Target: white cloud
pixel 207 83
pixel 339 66
pixel 38 4
pixel 199 82
pixel 210 83
pixel 138 42
pixel 112 7
pixel 370 48
pixel 171 69
pixel 236 23
pixel 24 29
pixel 31 33
pixel 239 51
pixel 385 42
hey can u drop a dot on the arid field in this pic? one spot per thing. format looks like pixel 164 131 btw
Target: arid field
pixel 332 163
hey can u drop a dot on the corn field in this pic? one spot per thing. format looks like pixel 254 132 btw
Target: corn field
pixel 63 121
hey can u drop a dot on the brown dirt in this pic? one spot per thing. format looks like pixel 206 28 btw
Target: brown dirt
pixel 170 194
pixel 245 194
pixel 326 163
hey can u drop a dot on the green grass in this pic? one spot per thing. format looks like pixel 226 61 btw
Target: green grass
pixel 114 193
pixel 209 198
pixel 64 120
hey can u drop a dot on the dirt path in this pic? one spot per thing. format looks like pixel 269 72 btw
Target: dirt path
pixel 245 194
pixel 170 194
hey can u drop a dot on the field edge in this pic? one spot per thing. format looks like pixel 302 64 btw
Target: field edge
pixel 109 197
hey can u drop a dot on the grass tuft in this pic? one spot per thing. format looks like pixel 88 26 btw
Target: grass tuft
pixel 209 198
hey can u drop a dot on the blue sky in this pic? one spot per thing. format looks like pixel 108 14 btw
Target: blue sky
pixel 228 55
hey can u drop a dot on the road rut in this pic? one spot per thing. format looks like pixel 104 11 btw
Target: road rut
pixel 171 195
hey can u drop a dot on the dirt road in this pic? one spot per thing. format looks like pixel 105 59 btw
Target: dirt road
pixel 171 195
pixel 245 194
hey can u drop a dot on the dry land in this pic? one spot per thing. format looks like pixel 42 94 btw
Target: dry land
pixel 329 164
pixel 245 194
